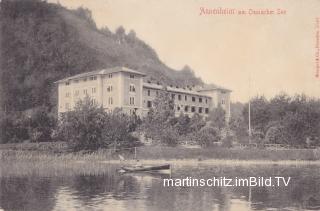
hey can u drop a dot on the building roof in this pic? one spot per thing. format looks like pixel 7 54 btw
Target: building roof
pixel 101 72
pixel 209 87
pixel 174 89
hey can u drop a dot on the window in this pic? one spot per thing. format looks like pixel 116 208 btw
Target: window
pixel 207 110
pixel 67 106
pixel 110 101
pixel 85 91
pixel 223 102
pixel 185 98
pixel 157 93
pixel 193 109
pixel 76 93
pixel 91 78
pixel 193 99
pixel 148 92
pixel 206 100
pixel 67 83
pixel 85 79
pixel 110 75
pixel 67 94
pixel 200 100
pixel 131 100
pixel 149 104
pixel 179 97
pixel 178 108
pixel 131 76
pixel 200 110
pixel 94 90
pixel 132 112
pixel 132 88
pixel 94 101
pixel 172 96
pixel 109 88
pixel 186 108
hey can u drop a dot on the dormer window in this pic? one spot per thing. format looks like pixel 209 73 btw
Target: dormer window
pixel 131 76
pixel 110 75
pixel 67 83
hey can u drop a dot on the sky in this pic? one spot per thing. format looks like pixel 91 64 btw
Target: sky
pixel 261 54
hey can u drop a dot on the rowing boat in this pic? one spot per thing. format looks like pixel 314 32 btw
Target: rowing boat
pixel 158 168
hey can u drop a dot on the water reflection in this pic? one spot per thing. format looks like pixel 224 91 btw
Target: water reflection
pixel 112 191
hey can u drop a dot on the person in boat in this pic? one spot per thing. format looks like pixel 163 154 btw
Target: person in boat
pixel 138 164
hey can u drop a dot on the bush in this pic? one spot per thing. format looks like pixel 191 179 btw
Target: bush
pixel 13 128
pixel 169 137
pixel 227 141
pixel 207 136
pixel 90 128
pixel 41 125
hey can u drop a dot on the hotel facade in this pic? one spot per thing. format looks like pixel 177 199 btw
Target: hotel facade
pixel 124 88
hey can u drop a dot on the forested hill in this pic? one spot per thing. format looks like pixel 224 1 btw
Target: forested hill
pixel 43 42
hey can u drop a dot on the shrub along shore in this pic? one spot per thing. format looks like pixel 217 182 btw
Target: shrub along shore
pixel 44 152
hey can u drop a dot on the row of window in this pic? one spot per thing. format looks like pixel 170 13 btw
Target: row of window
pixel 85 92
pixel 67 105
pixel 91 78
pixel 185 108
pixel 179 97
pixel 149 92
pixel 193 99
pixel 193 109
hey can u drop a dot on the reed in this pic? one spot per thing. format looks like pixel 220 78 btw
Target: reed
pixel 160 153
pixel 226 153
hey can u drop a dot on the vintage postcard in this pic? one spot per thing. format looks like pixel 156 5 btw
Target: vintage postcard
pixel 159 105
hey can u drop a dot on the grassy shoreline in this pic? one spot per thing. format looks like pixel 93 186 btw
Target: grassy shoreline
pixel 27 161
pixel 57 152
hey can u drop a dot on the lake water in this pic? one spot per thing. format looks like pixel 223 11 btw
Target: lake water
pixel 79 188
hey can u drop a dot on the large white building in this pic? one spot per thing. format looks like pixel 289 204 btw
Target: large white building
pixel 120 87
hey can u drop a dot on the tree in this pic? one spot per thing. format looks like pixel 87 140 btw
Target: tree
pixel 41 125
pixel 284 119
pixel 183 124
pixel 196 123
pixel 217 118
pixel 13 127
pixel 207 136
pixel 160 120
pixel 260 113
pixel 89 127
